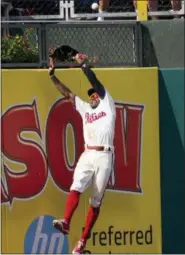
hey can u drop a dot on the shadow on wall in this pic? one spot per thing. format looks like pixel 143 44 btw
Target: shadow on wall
pixel 163 43
pixel 171 105
pixel 149 55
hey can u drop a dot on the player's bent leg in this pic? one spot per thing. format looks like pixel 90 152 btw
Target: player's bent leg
pixel 72 202
pixel 81 180
pixel 71 205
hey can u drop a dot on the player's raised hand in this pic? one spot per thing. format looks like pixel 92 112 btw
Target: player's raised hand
pixel 51 69
pixel 83 59
pixel 80 58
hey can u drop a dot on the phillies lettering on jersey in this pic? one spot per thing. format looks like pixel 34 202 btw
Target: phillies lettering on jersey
pixel 90 117
pixel 99 122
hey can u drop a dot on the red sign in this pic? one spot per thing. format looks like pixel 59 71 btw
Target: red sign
pixel 21 118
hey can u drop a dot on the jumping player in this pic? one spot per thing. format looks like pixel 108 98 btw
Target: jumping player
pixel 95 164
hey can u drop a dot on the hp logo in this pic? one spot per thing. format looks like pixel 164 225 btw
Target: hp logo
pixel 43 238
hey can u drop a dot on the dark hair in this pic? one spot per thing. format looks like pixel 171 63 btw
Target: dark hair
pixel 90 92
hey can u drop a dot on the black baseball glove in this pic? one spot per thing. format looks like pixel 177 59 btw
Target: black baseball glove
pixel 66 53
pixel 63 53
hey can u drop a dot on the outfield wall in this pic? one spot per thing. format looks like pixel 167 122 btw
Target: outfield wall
pixel 42 141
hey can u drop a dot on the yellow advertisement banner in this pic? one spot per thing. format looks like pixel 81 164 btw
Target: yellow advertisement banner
pixel 42 140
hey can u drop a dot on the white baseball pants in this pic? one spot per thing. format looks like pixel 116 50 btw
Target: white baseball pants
pixel 93 168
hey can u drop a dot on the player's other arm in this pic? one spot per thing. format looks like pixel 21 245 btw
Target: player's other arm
pixel 95 83
pixel 79 104
pixel 64 90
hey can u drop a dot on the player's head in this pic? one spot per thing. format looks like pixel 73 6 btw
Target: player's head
pixel 93 98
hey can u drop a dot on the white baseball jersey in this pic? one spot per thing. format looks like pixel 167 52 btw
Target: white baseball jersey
pixel 98 123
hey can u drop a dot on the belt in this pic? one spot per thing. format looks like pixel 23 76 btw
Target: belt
pixel 98 148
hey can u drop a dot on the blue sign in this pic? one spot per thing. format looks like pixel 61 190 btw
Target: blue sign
pixel 42 237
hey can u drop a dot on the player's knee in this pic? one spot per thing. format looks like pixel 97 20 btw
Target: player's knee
pixel 77 187
pixel 95 202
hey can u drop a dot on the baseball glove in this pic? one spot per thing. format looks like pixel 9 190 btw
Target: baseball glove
pixel 66 53
pixel 63 53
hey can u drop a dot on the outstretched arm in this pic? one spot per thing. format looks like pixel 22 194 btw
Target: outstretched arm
pixel 65 91
pixel 95 83
pixel 86 68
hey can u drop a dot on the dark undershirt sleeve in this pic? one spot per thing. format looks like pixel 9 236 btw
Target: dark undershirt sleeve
pixel 95 83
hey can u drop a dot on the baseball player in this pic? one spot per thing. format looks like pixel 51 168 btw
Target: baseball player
pixel 95 164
